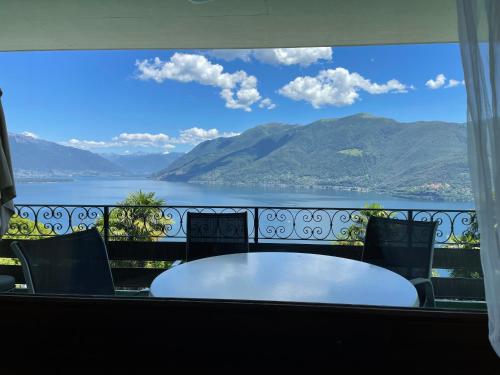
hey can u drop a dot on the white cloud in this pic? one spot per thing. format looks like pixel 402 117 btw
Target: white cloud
pixel 337 87
pixel 232 54
pixel 454 83
pixel 277 56
pixel 30 134
pixel 293 56
pixel 192 136
pixel 238 89
pixel 440 81
pixel 267 104
pixel 123 140
pixel 146 139
pixel 89 145
pixel 436 83
pixel 167 148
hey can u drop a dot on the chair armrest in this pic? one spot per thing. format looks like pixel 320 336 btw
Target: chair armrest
pixel 420 280
pixel 425 291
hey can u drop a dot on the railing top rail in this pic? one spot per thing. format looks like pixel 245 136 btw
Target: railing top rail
pixel 415 210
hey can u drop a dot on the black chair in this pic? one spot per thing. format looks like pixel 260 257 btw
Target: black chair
pixel 75 263
pixel 211 234
pixel 7 283
pixel 405 247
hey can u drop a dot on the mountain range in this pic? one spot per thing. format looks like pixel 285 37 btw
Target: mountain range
pixel 427 159
pixel 142 164
pixel 34 158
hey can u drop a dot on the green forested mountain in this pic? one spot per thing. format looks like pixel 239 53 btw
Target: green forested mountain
pixel 360 152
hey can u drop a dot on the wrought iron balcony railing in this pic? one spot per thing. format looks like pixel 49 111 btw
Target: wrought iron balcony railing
pixel 143 240
pixel 268 224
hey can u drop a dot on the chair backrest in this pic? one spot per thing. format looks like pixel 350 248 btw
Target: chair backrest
pixel 403 246
pixel 211 234
pixel 75 263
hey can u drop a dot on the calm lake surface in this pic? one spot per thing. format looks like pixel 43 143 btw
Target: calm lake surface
pixel 101 191
pixel 84 191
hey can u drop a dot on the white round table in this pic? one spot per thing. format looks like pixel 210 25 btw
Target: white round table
pixel 286 277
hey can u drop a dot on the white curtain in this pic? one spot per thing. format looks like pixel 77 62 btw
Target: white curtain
pixel 479 33
pixel 7 188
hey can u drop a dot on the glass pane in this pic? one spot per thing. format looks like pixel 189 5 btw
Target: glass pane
pixel 306 145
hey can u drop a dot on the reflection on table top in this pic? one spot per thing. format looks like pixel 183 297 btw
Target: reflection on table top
pixel 286 277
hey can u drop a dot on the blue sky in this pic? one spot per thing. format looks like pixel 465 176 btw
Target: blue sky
pixel 125 101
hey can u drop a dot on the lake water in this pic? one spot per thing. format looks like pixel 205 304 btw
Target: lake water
pixel 100 191
pixel 84 191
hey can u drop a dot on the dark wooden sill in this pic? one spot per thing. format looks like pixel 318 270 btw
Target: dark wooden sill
pixel 185 333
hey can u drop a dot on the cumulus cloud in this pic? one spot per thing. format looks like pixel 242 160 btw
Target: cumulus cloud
pixel 337 87
pixel 30 134
pixel 454 83
pixel 238 89
pixel 124 140
pixel 89 145
pixel 267 104
pixel 440 82
pixel 192 136
pixel 232 54
pixel 293 56
pixel 140 139
pixel 436 83
pixel 167 148
pixel 277 56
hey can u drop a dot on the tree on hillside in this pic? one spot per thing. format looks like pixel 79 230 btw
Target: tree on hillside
pixel 137 218
pixel 23 229
pixel 356 232
pixel 469 239
pixel 26 229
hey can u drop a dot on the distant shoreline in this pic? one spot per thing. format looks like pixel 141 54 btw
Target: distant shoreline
pixel 425 196
pixel 30 180
pixel 430 196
